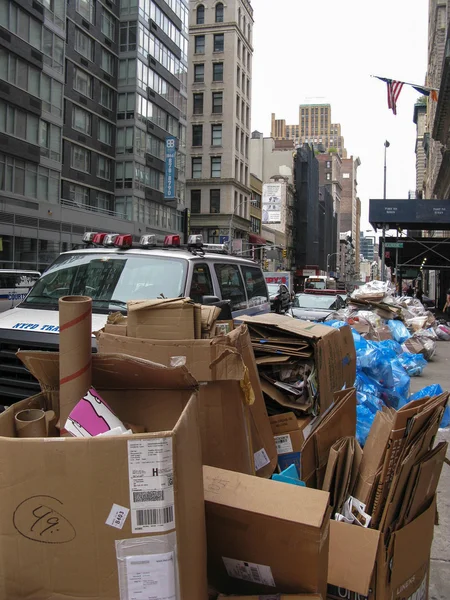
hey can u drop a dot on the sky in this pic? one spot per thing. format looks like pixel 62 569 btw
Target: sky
pixel 324 51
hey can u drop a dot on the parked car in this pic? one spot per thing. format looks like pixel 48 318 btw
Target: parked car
pixel 315 307
pixel 279 296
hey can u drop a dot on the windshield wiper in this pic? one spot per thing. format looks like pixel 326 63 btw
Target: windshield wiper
pixel 111 301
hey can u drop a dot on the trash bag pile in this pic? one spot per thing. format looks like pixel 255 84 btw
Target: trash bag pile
pixel 394 337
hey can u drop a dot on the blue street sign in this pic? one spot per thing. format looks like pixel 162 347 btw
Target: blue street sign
pixel 169 176
pixel 223 239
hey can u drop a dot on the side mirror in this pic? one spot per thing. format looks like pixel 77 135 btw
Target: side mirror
pixel 210 299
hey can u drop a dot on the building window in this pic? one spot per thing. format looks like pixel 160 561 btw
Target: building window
pixel 128 36
pixel 345 175
pixel 104 201
pixel 53 50
pixel 199 44
pixel 103 167
pixel 328 176
pixel 197 135
pixel 217 103
pixel 197 167
pixel 81 159
pixel 86 9
pixel 124 144
pixel 219 12
pixel 255 224
pixel 218 71
pixel 108 24
pixel 105 132
pixel 238 105
pixel 82 82
pixel 107 63
pixel 200 14
pixel 50 141
pixel 216 135
pixel 219 42
pixel 198 104
pixel 79 195
pixel 216 166
pixel 328 164
pixel 238 77
pixel 199 73
pixel 196 199
pixel 106 96
pixel 126 106
pixel 84 45
pixel 214 201
pixel 81 120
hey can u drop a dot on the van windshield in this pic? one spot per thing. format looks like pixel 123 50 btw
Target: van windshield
pixel 109 279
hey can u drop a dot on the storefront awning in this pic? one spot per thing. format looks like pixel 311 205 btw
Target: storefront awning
pixel 256 239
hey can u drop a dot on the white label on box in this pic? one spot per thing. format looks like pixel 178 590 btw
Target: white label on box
pixel 238 569
pixel 261 459
pixel 284 444
pixel 151 577
pixel 117 516
pixel 150 472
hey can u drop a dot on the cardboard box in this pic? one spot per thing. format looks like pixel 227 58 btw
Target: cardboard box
pixel 265 536
pixel 290 434
pixel 277 597
pixel 361 567
pixel 333 349
pixel 170 319
pixel 202 360
pixel 65 529
pixel 223 409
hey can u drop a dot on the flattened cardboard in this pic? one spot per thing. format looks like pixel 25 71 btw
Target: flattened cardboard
pixel 255 520
pixel 272 597
pixel 223 413
pixel 80 480
pixel 168 319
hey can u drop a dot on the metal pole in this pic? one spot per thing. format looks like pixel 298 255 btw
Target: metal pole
pixel 385 172
pixel 328 257
pixel 396 265
pixel 383 254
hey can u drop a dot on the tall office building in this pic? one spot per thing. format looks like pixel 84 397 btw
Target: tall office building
pixel 219 108
pixel 89 92
pixel 314 127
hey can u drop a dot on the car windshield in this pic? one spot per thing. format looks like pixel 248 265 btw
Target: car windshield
pixel 110 279
pixel 312 301
pixel 273 288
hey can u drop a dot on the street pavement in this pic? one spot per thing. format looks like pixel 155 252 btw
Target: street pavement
pixel 438 371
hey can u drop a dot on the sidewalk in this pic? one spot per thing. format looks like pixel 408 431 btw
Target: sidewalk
pixel 438 371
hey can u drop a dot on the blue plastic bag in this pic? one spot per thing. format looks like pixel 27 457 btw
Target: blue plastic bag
pixel 433 390
pixel 412 363
pixel 365 415
pixel 391 347
pixel 399 331
pixel 396 396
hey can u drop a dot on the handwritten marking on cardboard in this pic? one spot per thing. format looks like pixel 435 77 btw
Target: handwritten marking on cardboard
pixel 150 472
pixel 39 519
pixel 238 569
pixel 151 577
pixel 117 516
pixel 261 459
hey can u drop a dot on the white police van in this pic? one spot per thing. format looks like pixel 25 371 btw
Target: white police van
pixel 112 271
pixel 14 286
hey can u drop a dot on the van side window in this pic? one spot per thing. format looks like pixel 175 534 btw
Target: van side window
pixel 255 286
pixel 231 285
pixel 201 283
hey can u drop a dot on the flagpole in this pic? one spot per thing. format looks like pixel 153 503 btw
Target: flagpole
pixel 424 87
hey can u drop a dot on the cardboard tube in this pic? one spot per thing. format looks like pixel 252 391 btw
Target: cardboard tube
pixel 33 422
pixel 75 351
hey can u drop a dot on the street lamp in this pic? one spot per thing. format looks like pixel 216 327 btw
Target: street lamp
pixel 328 260
pixel 383 257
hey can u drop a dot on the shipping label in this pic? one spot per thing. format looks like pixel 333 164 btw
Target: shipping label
pixel 117 516
pixel 150 472
pixel 261 459
pixel 283 443
pixel 151 577
pixel 239 569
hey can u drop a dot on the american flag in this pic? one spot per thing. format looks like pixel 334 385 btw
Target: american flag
pixel 393 92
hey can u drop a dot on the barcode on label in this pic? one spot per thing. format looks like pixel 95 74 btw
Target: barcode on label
pixel 154 516
pixel 150 496
pixel 282 439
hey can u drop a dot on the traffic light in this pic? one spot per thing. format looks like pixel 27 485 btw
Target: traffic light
pixel 266 265
pixel 285 253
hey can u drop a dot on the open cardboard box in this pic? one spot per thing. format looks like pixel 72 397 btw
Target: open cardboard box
pixel 59 493
pixel 224 412
pixel 361 567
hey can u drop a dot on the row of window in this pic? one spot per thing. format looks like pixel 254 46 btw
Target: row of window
pixel 244 54
pixel 242 142
pixel 81 160
pixel 81 196
pixel 215 170
pixel 243 82
pixel 149 10
pixel 196 201
pixel 130 174
pixel 149 213
pixel 243 25
pixel 86 8
pixel 240 172
pixel 199 72
pixel 149 45
pixel 131 140
pixel 27 179
pixel 82 121
pixel 218 43
pixel 55 11
pixel 181 10
pixel 84 84
pixel 147 78
pixel 216 135
pixel 30 128
pixel 217 103
pixel 218 13
pixel 255 225
pixel 85 45
pixel 30 79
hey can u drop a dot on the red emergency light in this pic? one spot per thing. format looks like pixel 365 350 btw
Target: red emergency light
pixel 124 241
pixel 98 238
pixel 172 240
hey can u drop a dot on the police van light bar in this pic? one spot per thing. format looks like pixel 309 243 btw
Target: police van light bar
pixel 195 241
pixel 88 237
pixel 216 247
pixel 110 239
pixel 124 241
pixel 147 241
pixel 172 240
